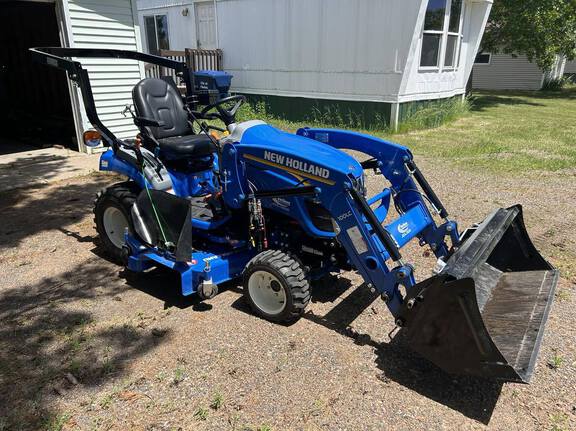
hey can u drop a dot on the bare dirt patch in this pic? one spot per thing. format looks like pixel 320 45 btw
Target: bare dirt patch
pixel 85 345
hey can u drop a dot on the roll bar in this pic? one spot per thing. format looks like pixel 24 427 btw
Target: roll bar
pixel 61 58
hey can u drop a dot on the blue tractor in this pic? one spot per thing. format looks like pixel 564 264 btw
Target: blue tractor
pixel 279 211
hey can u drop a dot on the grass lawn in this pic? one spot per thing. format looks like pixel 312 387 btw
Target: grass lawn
pixel 503 131
pixel 506 131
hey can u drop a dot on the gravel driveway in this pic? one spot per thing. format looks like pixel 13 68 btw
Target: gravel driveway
pixel 85 345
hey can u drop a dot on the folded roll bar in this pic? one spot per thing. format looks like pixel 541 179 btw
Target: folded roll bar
pixel 61 58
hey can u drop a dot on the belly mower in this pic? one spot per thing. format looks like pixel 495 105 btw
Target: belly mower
pixel 280 210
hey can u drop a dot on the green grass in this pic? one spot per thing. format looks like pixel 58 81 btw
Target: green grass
pixel 555 362
pixel 201 414
pixel 507 131
pixel 495 131
pixel 217 401
pixel 179 375
pixel 57 422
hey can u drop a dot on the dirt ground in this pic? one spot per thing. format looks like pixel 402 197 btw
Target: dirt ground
pixel 86 345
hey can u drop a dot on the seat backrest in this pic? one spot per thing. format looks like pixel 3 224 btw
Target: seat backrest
pixel 157 99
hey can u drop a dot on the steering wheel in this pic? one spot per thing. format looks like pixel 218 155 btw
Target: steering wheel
pixel 228 116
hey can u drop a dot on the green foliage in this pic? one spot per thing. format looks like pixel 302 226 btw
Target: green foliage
pixel 201 414
pixel 554 84
pixel 57 422
pixel 325 115
pixel 539 29
pixel 559 422
pixel 434 114
pixel 179 375
pixel 217 401
pixel 107 401
pixel 556 362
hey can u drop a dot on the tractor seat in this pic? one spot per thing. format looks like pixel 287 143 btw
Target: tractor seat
pixel 160 99
pixel 180 147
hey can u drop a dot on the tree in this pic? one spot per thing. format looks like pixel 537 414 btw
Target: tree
pixel 539 29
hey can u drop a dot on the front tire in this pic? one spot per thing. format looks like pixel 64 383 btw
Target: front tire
pixel 276 286
pixel 113 215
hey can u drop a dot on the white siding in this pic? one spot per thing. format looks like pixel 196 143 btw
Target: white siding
pixel 181 29
pixel 108 24
pixel 338 49
pixel 570 67
pixel 333 49
pixel 507 73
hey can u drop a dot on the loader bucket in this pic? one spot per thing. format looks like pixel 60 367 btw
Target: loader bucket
pixel 484 314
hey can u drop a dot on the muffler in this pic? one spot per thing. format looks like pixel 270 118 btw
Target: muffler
pixel 484 314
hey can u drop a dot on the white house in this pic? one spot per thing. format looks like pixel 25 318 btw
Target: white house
pixel 377 56
pixel 39 101
pixel 507 72
pixel 570 68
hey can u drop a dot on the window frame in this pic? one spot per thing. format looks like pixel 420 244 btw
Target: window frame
pixel 444 34
pixel 489 54
pixel 156 39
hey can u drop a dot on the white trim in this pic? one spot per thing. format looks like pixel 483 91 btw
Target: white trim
pixel 483 64
pixel 444 34
pixel 394 116
pixel 155 15
pixel 65 27
pixel 170 5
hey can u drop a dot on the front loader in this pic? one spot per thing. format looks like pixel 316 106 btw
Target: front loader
pixel 280 211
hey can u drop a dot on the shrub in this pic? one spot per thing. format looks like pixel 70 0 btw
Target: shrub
pixel 434 114
pixel 555 84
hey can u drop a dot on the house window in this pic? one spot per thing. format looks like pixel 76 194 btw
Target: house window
pixel 483 58
pixel 442 35
pixel 156 33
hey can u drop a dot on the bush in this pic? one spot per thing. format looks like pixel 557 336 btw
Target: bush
pixel 556 84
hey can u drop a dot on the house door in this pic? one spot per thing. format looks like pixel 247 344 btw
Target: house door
pixel 205 25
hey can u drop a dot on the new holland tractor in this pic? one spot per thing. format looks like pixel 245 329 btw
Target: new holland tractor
pixel 278 211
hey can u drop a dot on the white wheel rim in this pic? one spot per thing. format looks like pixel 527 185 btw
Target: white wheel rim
pixel 115 224
pixel 264 296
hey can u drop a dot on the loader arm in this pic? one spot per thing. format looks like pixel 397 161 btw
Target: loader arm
pixel 368 242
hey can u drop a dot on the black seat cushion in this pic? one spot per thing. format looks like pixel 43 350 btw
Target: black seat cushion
pixel 159 100
pixel 177 147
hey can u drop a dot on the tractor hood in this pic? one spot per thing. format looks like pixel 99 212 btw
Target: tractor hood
pixel 299 155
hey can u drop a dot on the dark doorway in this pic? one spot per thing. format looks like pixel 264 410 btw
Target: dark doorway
pixel 35 107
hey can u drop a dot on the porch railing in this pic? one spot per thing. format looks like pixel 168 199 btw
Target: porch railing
pixel 197 59
pixel 204 59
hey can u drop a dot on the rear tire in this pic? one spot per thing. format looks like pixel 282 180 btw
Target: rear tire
pixel 112 215
pixel 276 286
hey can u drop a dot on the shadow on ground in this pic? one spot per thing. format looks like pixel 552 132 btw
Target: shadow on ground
pixel 48 330
pixel 484 102
pixel 164 284
pixel 39 210
pixel 473 397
